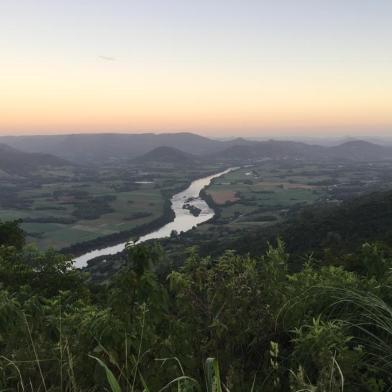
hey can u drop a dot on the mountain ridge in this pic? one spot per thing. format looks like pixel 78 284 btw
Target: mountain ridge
pixel 95 148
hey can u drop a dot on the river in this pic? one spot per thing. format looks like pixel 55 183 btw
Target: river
pixel 183 220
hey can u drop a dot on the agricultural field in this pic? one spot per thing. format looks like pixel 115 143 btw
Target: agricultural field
pixel 263 194
pixel 62 207
pixel 260 195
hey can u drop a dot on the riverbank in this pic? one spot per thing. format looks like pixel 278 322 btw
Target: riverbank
pixel 126 235
pixel 183 219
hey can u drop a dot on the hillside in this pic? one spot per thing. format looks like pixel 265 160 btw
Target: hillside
pixel 344 227
pixel 13 161
pixel 340 228
pixel 166 154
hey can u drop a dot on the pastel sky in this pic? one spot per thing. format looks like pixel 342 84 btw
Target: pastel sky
pixel 216 67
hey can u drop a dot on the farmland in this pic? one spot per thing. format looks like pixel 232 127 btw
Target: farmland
pixel 258 198
pixel 61 208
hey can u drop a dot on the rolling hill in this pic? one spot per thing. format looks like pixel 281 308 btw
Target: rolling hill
pixel 13 161
pixel 100 147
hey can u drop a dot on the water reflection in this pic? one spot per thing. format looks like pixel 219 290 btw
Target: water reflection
pixel 183 220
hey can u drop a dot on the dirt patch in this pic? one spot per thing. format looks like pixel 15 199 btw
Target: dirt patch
pixel 222 197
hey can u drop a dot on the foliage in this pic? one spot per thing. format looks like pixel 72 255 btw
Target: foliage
pixel 11 234
pixel 220 324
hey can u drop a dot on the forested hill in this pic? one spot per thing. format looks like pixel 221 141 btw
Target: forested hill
pixel 341 227
pixel 367 218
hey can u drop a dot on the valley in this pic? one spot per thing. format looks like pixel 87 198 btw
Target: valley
pixel 62 207
pixel 75 206
pixel 225 245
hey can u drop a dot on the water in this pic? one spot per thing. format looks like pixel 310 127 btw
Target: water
pixel 183 220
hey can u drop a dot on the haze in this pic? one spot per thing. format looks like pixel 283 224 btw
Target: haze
pixel 214 67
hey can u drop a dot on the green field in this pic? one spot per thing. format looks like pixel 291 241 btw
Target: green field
pixel 69 206
pixel 263 194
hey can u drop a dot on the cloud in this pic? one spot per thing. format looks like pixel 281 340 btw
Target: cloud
pixel 107 58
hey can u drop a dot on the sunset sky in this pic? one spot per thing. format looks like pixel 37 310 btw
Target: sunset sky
pixel 216 67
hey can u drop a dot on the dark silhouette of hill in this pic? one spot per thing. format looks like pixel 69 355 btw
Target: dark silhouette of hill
pixel 166 154
pixel 13 161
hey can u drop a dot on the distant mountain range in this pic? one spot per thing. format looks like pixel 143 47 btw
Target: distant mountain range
pixel 350 151
pixel 96 148
pixel 13 161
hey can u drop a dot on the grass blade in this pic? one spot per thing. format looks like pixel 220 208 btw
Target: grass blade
pixel 114 385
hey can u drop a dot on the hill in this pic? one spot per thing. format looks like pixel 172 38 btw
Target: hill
pixel 360 150
pixel 364 219
pixel 166 154
pixel 101 147
pixel 13 161
pixel 340 228
pixel 349 151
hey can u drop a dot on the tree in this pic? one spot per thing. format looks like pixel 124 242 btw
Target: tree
pixel 11 234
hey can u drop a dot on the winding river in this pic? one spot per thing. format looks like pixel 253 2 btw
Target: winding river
pixel 183 220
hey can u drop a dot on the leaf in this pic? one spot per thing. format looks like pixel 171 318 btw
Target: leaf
pixel 213 375
pixel 114 386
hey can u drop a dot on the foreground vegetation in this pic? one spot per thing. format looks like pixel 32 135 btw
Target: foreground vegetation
pixel 324 327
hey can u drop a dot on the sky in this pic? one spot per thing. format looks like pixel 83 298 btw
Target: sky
pixel 215 67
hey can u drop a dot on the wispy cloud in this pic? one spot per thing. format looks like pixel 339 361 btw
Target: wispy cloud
pixel 107 58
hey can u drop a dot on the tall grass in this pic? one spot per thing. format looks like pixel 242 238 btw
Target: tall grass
pixel 183 383
pixel 371 318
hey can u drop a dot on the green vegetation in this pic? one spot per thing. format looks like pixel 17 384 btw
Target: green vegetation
pixel 232 322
